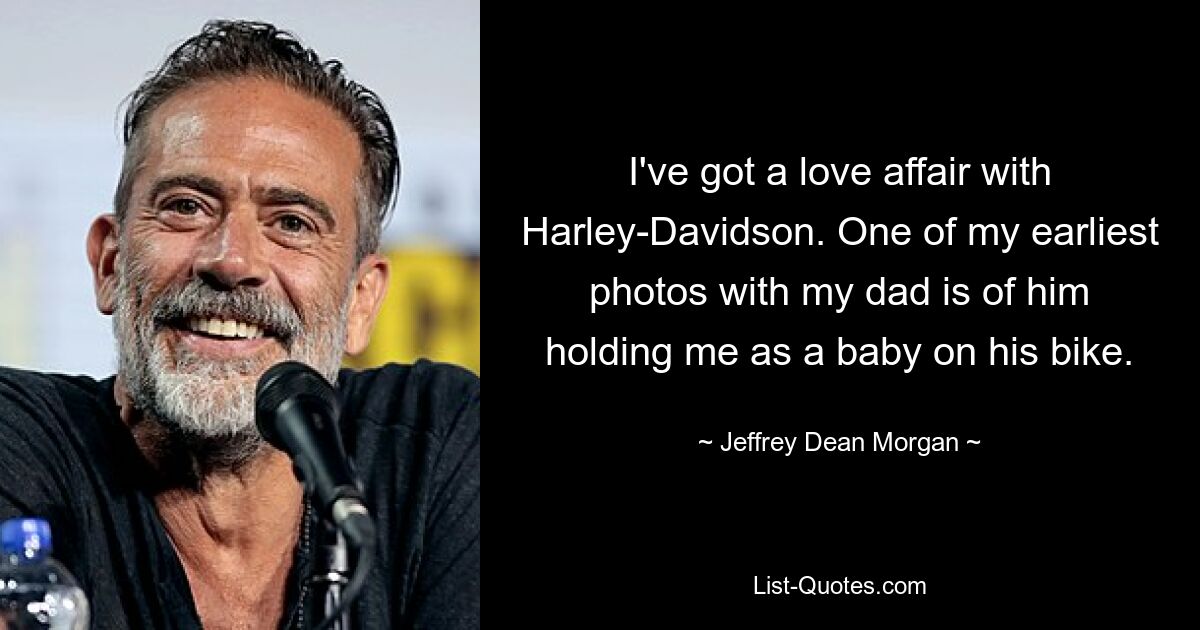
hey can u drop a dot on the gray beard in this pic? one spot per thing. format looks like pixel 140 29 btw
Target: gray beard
pixel 206 405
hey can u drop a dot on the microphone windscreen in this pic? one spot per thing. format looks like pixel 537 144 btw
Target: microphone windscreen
pixel 290 380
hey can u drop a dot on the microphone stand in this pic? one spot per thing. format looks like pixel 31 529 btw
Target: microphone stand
pixel 332 574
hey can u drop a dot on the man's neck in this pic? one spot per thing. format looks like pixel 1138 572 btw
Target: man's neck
pixel 235 538
pixel 241 510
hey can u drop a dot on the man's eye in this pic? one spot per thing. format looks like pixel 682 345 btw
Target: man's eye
pixel 292 223
pixel 183 206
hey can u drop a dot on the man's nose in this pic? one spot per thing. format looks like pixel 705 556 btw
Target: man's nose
pixel 233 254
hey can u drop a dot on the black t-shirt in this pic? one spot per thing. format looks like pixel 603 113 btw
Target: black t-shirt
pixel 413 433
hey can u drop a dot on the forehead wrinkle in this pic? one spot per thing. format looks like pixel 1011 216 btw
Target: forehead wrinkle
pixel 277 144
pixel 259 144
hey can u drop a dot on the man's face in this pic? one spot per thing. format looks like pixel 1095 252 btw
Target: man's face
pixel 236 252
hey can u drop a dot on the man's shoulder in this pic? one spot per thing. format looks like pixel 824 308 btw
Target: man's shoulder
pixel 49 424
pixel 38 395
pixel 425 395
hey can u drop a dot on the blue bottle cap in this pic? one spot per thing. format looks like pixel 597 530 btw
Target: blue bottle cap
pixel 27 538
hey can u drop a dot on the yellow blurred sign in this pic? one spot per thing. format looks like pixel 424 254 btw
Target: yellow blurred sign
pixel 431 310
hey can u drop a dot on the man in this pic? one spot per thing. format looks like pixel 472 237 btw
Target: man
pixel 245 223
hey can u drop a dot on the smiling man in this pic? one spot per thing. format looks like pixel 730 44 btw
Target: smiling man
pixel 255 183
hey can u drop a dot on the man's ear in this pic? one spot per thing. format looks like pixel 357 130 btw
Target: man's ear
pixel 102 242
pixel 366 297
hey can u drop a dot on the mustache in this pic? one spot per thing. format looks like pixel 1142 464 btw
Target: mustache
pixel 197 299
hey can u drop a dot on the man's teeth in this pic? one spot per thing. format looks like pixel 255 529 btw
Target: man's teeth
pixel 225 328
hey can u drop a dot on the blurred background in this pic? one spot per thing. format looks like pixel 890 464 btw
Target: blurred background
pixel 68 65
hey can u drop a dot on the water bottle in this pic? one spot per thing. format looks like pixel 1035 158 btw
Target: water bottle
pixel 35 590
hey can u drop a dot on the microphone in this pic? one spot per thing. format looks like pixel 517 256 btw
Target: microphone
pixel 296 411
